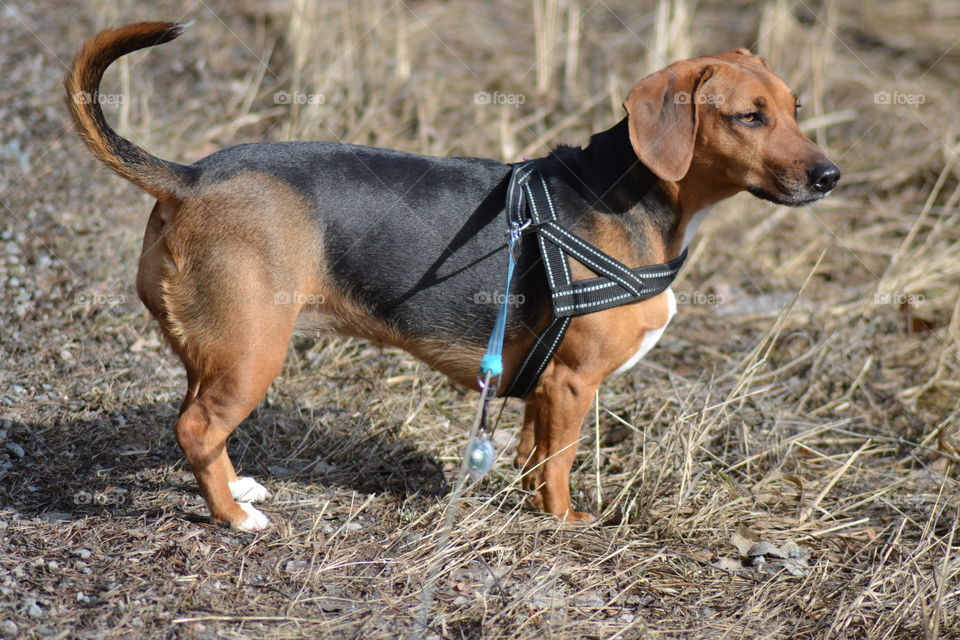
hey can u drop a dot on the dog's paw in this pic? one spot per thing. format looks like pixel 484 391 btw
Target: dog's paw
pixel 246 489
pixel 255 521
pixel 579 517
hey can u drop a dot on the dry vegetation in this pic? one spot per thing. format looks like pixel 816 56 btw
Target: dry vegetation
pixel 805 405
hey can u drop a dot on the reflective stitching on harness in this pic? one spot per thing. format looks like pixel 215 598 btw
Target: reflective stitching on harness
pixel 594 264
pixel 595 303
pixel 550 352
pixel 604 285
pixel 546 263
pixel 553 217
pixel 540 240
pixel 626 273
pixel 558 245
pixel 530 354
pixel 596 287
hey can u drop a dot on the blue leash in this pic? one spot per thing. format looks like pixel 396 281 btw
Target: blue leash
pixel 480 453
pixel 492 362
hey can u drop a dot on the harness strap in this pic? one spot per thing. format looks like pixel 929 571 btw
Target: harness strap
pixel 530 208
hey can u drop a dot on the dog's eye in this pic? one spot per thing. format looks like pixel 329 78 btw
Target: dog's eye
pixel 751 119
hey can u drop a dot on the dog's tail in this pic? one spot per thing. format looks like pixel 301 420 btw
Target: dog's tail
pixel 162 179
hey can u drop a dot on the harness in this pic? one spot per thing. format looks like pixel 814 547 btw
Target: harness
pixel 530 208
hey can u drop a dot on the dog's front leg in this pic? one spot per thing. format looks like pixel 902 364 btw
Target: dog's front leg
pixel 548 442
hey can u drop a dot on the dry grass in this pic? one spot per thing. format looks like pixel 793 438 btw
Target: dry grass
pixel 805 404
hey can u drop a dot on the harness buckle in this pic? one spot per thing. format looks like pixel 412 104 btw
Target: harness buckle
pixel 516 230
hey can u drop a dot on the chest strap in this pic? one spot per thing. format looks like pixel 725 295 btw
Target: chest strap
pixel 530 207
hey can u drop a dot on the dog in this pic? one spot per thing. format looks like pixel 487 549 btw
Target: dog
pixel 258 241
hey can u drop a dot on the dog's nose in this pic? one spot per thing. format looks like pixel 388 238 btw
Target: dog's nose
pixel 824 177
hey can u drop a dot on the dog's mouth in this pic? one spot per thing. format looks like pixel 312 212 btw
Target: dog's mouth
pixel 796 198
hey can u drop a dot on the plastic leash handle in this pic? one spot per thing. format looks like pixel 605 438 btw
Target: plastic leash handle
pixel 492 363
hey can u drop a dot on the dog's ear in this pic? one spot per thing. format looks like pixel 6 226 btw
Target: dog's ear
pixel 663 114
pixel 733 54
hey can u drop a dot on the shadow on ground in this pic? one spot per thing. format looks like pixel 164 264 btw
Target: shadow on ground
pixel 125 462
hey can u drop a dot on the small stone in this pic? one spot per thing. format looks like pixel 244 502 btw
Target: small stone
pixel 34 610
pixel 354 526
pixel 765 549
pixel 15 449
pixel 9 629
pixel 327 529
pixel 295 565
pixel 83 554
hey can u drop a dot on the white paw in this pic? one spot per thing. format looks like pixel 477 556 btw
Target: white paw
pixel 255 521
pixel 247 489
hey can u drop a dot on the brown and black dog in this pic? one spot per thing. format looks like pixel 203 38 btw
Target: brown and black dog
pixel 258 241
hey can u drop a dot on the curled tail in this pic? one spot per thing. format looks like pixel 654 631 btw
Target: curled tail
pixel 162 179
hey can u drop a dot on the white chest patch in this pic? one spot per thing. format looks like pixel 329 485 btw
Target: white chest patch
pixel 651 337
pixel 691 229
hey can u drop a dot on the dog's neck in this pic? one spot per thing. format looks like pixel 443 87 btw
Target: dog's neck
pixel 612 180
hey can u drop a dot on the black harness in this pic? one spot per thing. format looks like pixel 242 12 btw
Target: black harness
pixel 530 208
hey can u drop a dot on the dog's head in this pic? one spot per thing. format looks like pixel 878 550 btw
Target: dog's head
pixel 727 119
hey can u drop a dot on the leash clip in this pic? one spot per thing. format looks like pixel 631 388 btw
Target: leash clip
pixel 516 230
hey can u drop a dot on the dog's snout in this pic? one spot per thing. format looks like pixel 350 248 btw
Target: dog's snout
pixel 824 177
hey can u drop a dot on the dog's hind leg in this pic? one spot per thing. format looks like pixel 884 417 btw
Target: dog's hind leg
pixel 232 348
pixel 227 389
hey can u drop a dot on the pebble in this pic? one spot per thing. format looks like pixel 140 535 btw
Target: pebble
pixel 354 526
pixel 34 610
pixel 83 554
pixel 9 629
pixel 295 565
pixel 15 449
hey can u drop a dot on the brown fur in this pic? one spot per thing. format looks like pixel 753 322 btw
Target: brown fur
pixel 230 271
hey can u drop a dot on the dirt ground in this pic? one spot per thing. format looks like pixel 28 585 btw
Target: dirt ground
pixel 782 465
